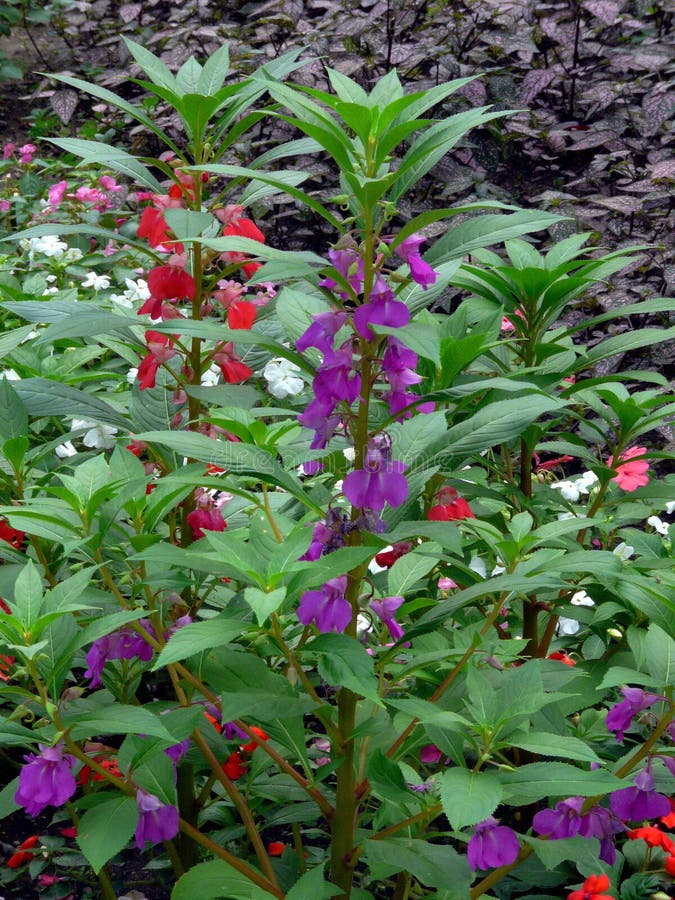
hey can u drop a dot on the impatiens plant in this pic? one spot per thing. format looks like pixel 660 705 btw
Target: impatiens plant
pixel 329 588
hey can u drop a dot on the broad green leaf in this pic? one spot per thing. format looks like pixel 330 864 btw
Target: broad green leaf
pixel 435 865
pixel 198 636
pixel 14 418
pixel 153 67
pixel 217 880
pixel 386 778
pixel 107 624
pixel 158 776
pixel 264 604
pixel 14 734
pixel 332 565
pixel 411 567
pixel 660 655
pixel 486 231
pixel 187 222
pixel 104 831
pixel 423 339
pixel 262 705
pixel 411 438
pixel 116 719
pixel 583 851
pixel 111 157
pixel 469 797
pixel 43 397
pixel 536 781
pixel 214 72
pixel 8 804
pixel 343 662
pixel 28 596
pixel 312 884
pixel 564 746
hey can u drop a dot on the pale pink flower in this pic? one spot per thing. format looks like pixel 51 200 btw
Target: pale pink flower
pixel 630 475
pixel 56 193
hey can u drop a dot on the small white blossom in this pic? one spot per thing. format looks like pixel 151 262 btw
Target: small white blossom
pixel 97 282
pixel 658 525
pixel 73 254
pixel 50 290
pixel 98 436
pixel 624 550
pixel 670 507
pixel 281 378
pixel 363 625
pixel 568 490
pixel 211 376
pixel 586 481
pixel 571 626
pixel 10 375
pixel 47 245
pixel 349 454
pixel 498 570
pixel 581 598
pixel 477 565
pixel 132 375
pixel 63 451
pixel 136 292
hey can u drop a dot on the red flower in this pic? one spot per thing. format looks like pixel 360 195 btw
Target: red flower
pixel 167 284
pixel 669 820
pixel 6 663
pixel 233 369
pixel 12 535
pixel 201 520
pixel 387 558
pixel 69 832
pixel 592 889
pixel 670 865
pixel 248 229
pixel 276 848
pixel 234 767
pixel 653 837
pixel 241 315
pixel 251 746
pixel 563 657
pixel 153 227
pixel 20 857
pixel 630 475
pixel 161 349
pixel 450 507
pixel 216 724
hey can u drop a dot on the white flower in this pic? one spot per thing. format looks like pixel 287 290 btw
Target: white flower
pixel 132 375
pixel 73 254
pixel 98 436
pixel 571 626
pixel 568 490
pixel 136 292
pixel 363 625
pixel 30 336
pixel 498 570
pixel 586 481
pixel 658 525
pixel 63 451
pixel 50 290
pixel 10 375
pixel 624 550
pixel 670 507
pixel 211 376
pixel 581 598
pixel 97 282
pixel 281 378
pixel 50 278
pixel 349 454
pixel 48 245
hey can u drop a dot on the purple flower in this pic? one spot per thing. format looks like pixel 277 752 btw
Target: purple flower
pixel 177 751
pixel 562 822
pixel 385 609
pixel 420 271
pixel 621 715
pixel 329 535
pixel 601 823
pixel 233 732
pixel 492 845
pixel 47 780
pixel 327 608
pixel 318 416
pixel 382 309
pixel 430 754
pixel 380 481
pixel 321 332
pixel 336 378
pixel 349 264
pixel 157 821
pixel 122 644
pixel 640 802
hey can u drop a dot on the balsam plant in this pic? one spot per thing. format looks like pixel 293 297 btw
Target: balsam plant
pixel 302 585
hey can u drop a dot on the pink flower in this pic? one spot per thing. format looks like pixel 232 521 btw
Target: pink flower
pixel 5 206
pixel 56 193
pixel 630 475
pixel 8 150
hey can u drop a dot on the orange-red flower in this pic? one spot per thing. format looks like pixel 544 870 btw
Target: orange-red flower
pixel 630 475
pixel 670 865
pixel 248 229
pixel 251 746
pixel 450 507
pixel 592 889
pixel 234 767
pixel 21 856
pixel 562 657
pixel 653 837
pixel 12 535
pixel 241 315
pixel 276 848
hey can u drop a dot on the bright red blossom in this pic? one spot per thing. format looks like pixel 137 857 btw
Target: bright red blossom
pixel 248 229
pixel 234 767
pixel 20 857
pixel 653 837
pixel 592 889
pixel 252 745
pixel 276 848
pixel 450 507
pixel 233 369
pixel 670 865
pixel 241 315
pixel 161 349
pixel 562 657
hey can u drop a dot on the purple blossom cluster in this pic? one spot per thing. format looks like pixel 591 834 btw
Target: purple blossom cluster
pixel 567 819
pixel 620 716
pixel 122 644
pixel 327 608
pixel 46 780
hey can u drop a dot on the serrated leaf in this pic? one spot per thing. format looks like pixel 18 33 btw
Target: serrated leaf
pixel 104 831
pixel 660 655
pixel 535 781
pixel 435 865
pixel 312 884
pixel 217 880
pixel 563 746
pixel 264 603
pixel 343 662
pixel 410 568
pixel 469 797
pixel 116 719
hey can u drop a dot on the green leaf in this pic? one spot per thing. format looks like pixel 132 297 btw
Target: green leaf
pixel 423 339
pixel 153 67
pixel 312 884
pixel 158 777
pixel 435 865
pixel 111 158
pixel 563 746
pixel 469 797
pixel 8 804
pixel 660 655
pixel 535 781
pixel 105 830
pixel 199 636
pixel 14 734
pixel 187 222
pixel 264 603
pixel 14 418
pixel 343 662
pixel 214 72
pixel 330 566
pixel 410 568
pixel 116 719
pixel 386 778
pixel 28 596
pixel 43 397
pixel 217 880
pixel 487 230
pixel 584 851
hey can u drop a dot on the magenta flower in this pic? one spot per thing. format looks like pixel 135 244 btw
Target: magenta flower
pixel 380 481
pixel 47 780
pixel 157 821
pixel 420 271
pixel 492 845
pixel 562 822
pixel 385 610
pixel 431 755
pixel 640 802
pixel 349 264
pixel 382 309
pixel 321 332
pixel 327 607
pixel 621 715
